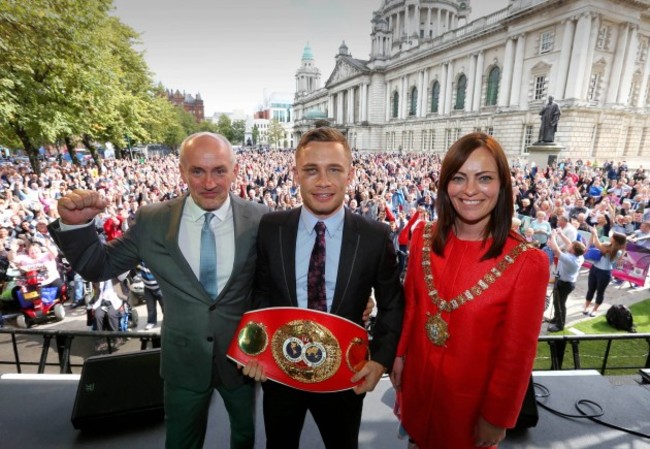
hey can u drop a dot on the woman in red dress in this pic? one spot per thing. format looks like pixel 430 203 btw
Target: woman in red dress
pixel 474 305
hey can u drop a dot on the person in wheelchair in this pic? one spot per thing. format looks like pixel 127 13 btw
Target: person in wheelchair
pixel 35 257
pixel 106 310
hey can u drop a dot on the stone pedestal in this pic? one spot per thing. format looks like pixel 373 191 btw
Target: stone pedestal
pixel 544 154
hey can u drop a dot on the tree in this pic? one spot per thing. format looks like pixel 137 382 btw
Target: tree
pixel 238 132
pixel 224 125
pixel 276 132
pixel 255 134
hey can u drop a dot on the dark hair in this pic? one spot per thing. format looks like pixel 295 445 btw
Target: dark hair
pixel 616 243
pixel 501 216
pixel 323 134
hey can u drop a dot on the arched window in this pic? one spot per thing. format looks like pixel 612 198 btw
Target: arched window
pixel 460 92
pixel 435 96
pixel 413 109
pixel 493 86
pixel 395 104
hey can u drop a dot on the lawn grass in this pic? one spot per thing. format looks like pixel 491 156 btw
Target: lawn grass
pixel 623 353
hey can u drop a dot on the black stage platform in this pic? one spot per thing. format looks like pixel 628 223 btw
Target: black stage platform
pixel 35 413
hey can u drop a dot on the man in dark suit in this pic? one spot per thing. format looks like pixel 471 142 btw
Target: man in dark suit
pixel 359 257
pixel 199 321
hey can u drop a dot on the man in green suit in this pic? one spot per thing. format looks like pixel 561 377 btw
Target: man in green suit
pixel 198 325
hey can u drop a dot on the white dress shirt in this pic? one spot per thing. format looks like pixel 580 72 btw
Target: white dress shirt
pixel 223 226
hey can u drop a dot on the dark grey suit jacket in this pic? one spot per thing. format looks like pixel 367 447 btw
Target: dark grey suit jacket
pixel 367 261
pixel 196 331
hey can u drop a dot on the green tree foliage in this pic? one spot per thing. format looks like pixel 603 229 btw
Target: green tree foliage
pixel 276 133
pixel 69 73
pixel 238 132
pixel 224 127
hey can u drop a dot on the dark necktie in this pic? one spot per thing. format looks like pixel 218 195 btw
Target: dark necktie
pixel 208 260
pixel 316 298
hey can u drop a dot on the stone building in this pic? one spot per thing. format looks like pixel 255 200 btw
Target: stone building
pixel 434 75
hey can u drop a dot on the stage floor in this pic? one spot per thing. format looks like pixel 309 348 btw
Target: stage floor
pixel 35 413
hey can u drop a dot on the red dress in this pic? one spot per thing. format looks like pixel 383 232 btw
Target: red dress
pixel 485 365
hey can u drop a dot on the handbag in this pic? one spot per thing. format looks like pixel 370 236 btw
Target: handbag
pixel 593 254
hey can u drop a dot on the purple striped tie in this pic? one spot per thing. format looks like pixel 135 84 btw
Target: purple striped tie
pixel 316 298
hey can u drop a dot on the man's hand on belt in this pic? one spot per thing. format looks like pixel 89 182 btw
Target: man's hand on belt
pixel 253 370
pixel 370 373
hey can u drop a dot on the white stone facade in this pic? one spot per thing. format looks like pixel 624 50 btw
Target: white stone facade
pixel 432 77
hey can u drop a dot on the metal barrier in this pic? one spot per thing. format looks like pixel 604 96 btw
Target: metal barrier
pixel 558 344
pixel 64 339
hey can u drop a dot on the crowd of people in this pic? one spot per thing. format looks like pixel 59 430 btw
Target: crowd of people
pixel 449 218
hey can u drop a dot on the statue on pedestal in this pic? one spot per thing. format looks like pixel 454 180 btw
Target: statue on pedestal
pixel 550 116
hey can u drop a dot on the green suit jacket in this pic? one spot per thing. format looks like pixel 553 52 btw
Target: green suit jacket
pixel 196 331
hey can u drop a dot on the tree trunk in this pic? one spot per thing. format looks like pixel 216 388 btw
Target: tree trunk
pixel 70 144
pixel 30 150
pixel 93 151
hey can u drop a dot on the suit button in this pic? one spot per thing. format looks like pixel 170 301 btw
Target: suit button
pixel 210 339
pixel 212 307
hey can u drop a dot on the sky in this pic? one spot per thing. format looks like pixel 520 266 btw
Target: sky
pixel 233 52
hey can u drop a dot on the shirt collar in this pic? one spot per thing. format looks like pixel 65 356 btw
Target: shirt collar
pixel 196 213
pixel 333 223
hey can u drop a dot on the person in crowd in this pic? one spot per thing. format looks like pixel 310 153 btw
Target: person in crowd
pixel 37 257
pixel 600 273
pixel 323 170
pixel 475 296
pixel 152 296
pixel 541 228
pixel 106 311
pixel 202 309
pixel 568 268
pixel 642 236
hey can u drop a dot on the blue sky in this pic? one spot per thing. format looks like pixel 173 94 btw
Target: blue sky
pixel 230 51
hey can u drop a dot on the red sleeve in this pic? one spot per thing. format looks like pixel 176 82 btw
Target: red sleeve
pixel 389 214
pixel 516 355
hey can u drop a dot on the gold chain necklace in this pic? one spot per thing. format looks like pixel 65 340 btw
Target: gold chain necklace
pixel 436 328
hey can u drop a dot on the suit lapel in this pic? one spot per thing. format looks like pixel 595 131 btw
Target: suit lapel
pixel 171 243
pixel 349 253
pixel 287 234
pixel 241 223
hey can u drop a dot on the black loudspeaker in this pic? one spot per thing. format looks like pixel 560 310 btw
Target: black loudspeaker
pixel 528 416
pixel 119 389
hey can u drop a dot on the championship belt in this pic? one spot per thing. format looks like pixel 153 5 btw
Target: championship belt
pixel 302 348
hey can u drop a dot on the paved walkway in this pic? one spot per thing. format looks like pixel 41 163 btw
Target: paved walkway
pixel 614 294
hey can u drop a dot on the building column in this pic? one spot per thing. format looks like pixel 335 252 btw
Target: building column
pixel 389 102
pixel 471 79
pixel 506 79
pixel 350 105
pixel 397 29
pixel 339 108
pixel 416 20
pixel 517 71
pixel 565 57
pixel 428 27
pixel 450 80
pixel 364 102
pixel 591 49
pixel 578 63
pixel 641 101
pixel 418 112
pixel 402 97
pixel 617 65
pixel 476 105
pixel 630 57
pixel 438 22
pixel 330 107
pixel 424 95
pixel 443 88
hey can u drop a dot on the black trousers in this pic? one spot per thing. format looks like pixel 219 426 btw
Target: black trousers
pixel 560 295
pixel 337 415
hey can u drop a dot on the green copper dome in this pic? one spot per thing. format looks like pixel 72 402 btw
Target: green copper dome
pixel 307 53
